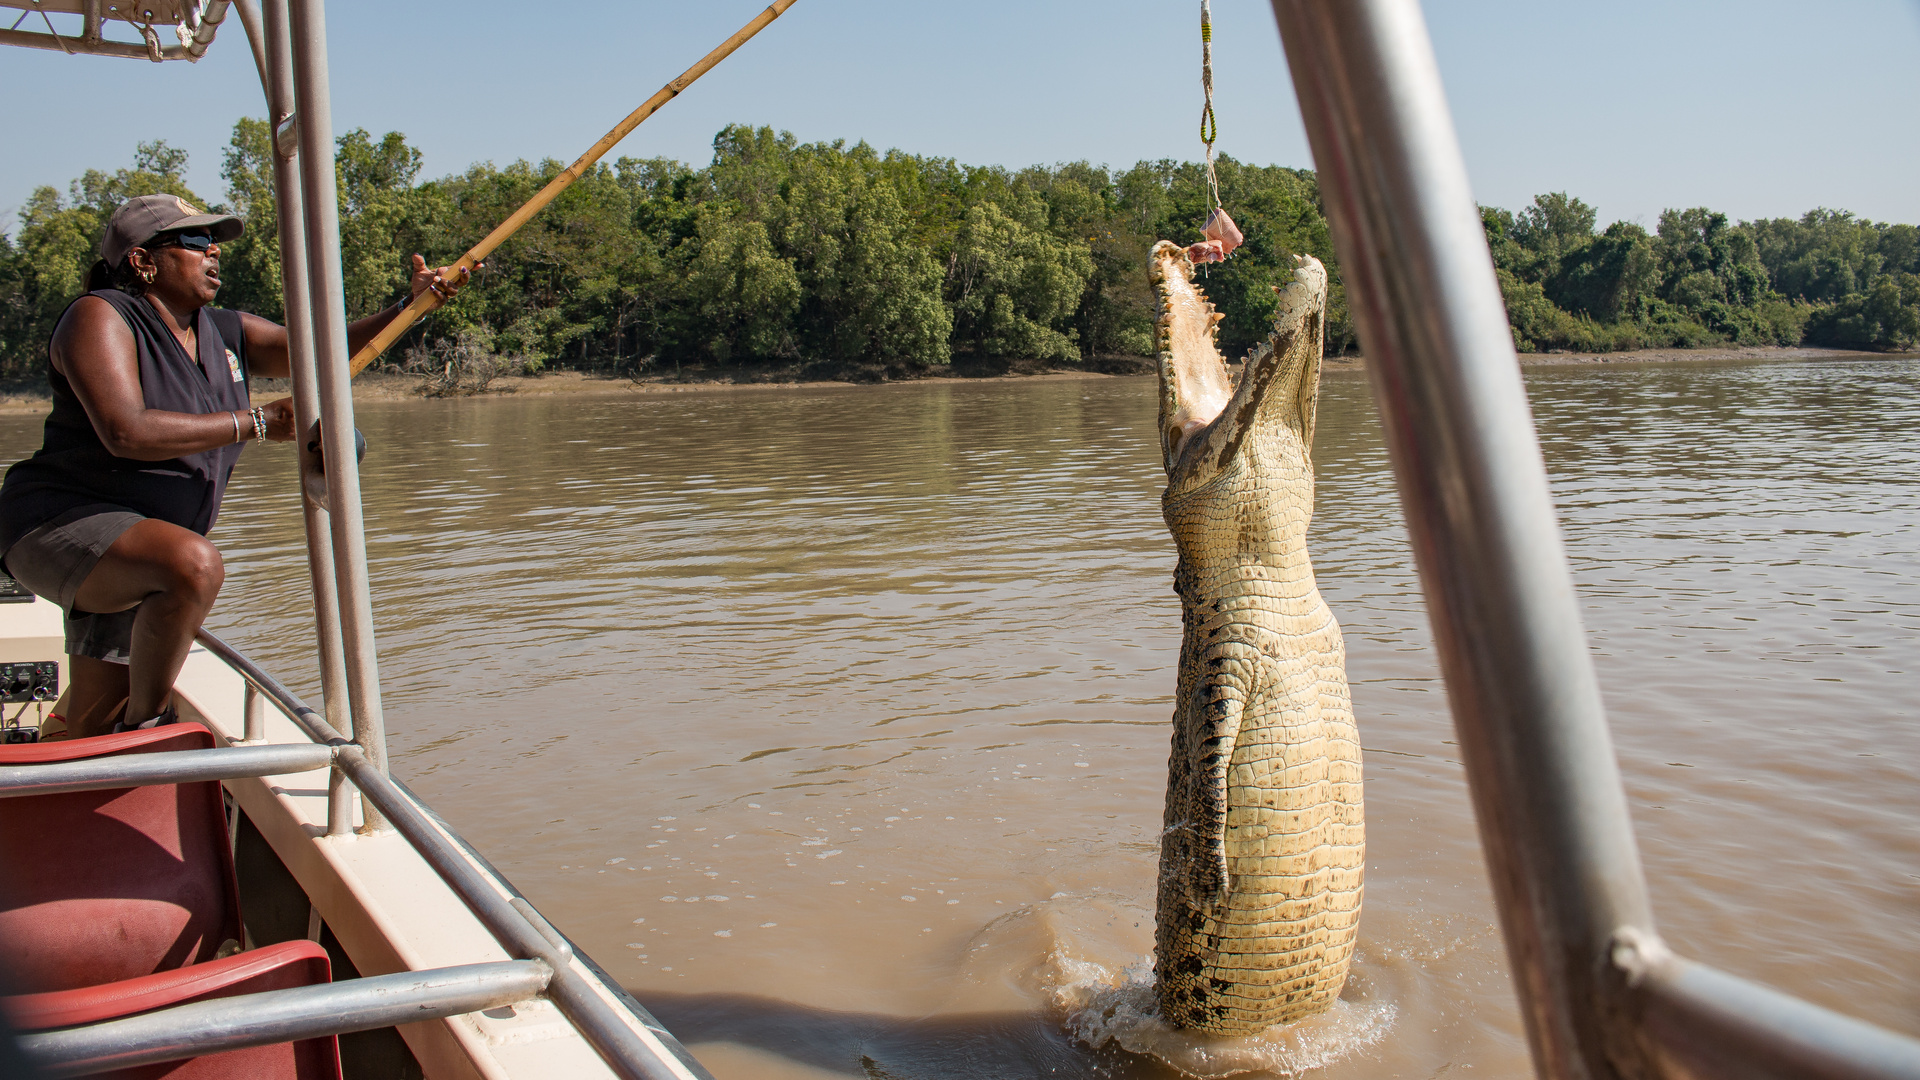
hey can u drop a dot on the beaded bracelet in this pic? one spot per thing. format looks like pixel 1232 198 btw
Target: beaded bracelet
pixel 259 424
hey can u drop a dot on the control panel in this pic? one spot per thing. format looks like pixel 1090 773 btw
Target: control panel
pixel 35 681
pixel 12 592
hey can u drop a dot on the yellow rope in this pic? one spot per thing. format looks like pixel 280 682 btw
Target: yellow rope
pixel 1209 124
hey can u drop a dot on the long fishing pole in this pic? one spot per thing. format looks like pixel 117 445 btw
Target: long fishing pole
pixel 428 299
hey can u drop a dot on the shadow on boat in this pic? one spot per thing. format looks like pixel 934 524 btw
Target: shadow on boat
pixel 872 1046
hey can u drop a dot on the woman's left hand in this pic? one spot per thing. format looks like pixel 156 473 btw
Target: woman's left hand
pixel 444 281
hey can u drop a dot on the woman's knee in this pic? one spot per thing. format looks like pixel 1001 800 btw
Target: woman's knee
pixel 195 571
pixel 149 560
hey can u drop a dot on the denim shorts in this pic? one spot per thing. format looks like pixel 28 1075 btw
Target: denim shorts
pixel 54 561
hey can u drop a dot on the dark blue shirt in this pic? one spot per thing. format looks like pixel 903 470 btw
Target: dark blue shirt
pixel 74 469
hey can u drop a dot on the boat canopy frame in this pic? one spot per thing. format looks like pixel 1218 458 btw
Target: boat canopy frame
pixel 194 23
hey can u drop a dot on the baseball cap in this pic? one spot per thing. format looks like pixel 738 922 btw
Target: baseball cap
pixel 141 219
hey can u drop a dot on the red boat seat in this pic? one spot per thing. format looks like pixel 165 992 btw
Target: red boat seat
pixel 104 886
pixel 276 967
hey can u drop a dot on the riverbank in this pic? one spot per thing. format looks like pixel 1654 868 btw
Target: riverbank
pixel 397 386
pixel 1708 354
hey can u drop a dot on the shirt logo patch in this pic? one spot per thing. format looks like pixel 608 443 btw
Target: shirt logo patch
pixel 233 365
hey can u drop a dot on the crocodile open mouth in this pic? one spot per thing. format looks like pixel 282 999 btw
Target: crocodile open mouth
pixel 1194 372
pixel 1196 386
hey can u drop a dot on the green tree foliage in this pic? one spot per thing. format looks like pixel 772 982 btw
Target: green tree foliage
pixel 1701 279
pixel 744 295
pixel 1886 315
pixel 1855 272
pixel 871 293
pixel 838 255
pixel 1011 282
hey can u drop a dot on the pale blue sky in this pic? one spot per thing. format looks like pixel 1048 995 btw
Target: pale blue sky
pixel 1759 108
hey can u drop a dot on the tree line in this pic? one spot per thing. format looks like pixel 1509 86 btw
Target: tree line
pixel 833 257
pixel 1826 278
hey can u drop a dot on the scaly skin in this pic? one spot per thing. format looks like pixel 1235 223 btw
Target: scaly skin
pixel 1264 842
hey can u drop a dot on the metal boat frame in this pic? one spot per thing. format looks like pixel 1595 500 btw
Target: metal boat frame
pixel 1601 995
pixel 194 22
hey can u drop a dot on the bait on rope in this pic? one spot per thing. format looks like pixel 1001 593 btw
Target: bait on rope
pixel 1222 235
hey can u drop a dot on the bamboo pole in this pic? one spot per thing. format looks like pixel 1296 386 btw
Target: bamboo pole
pixel 428 300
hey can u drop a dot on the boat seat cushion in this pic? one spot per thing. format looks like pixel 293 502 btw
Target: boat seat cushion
pixel 275 967
pixel 104 886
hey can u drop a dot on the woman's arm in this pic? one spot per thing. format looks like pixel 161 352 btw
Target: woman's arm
pixel 94 349
pixel 267 341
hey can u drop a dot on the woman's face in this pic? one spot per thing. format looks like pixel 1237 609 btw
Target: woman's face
pixel 180 273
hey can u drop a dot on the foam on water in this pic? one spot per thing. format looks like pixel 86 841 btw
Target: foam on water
pixel 1121 1008
pixel 1084 961
pixel 1079 958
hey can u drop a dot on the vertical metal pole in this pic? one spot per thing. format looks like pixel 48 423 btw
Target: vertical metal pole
pixel 254 709
pixel 339 803
pixel 1526 705
pixel 315 125
pixel 256 40
pixel 277 50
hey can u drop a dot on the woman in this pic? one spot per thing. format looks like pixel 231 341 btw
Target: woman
pixel 150 413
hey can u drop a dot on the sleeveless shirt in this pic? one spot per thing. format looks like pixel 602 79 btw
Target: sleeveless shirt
pixel 74 469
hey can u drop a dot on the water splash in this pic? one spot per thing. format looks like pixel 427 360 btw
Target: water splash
pixel 1104 1007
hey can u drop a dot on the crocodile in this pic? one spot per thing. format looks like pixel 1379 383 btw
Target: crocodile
pixel 1264 839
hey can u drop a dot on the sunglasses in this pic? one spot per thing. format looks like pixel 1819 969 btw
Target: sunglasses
pixel 192 241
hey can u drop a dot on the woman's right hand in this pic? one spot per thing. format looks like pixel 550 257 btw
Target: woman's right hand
pixel 279 416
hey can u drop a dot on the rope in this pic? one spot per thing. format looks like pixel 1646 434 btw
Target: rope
pixel 1209 126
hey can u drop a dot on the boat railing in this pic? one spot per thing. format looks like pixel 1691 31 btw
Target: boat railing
pixel 277 1016
pixel 635 1045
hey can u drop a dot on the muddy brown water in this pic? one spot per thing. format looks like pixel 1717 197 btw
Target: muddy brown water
pixel 834 722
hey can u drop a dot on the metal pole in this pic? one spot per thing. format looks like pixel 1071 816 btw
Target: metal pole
pixel 256 40
pixel 315 126
pixel 277 1016
pixel 301 352
pixel 71 45
pixel 254 712
pixel 165 767
pixel 1526 705
pixel 210 20
pixel 1706 1023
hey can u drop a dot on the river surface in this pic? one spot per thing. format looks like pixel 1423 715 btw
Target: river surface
pixel 833 722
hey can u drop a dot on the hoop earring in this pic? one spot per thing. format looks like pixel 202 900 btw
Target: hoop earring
pixel 147 276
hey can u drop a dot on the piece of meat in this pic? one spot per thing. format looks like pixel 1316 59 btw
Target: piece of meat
pixel 1221 227
pixel 1207 251
pixel 1222 236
